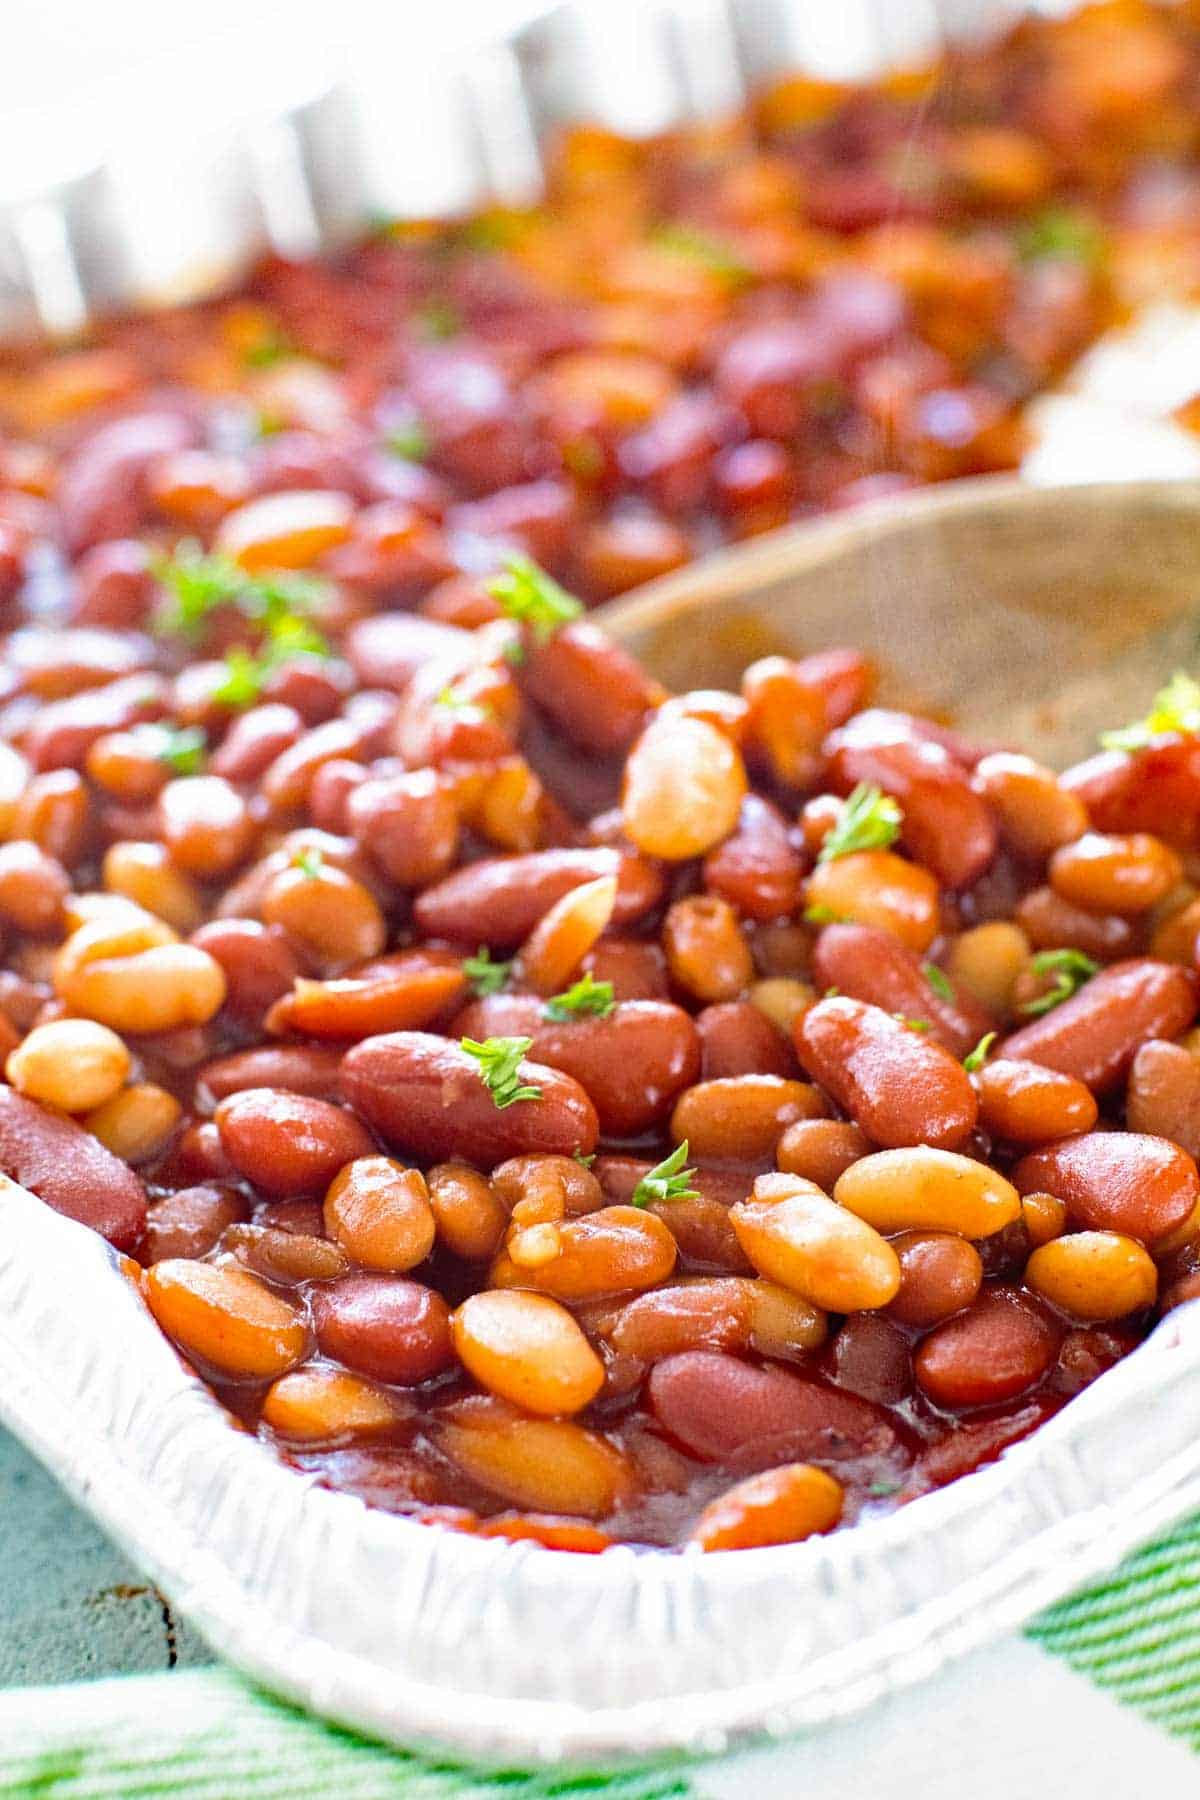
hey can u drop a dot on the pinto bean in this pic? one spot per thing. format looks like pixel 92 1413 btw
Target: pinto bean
pixel 424 1096
pixel 869 964
pixel 896 1084
pixel 1029 1104
pixel 1124 1181
pixel 258 962
pixel 500 900
pixel 190 1222
pixel 384 1327
pixel 631 1063
pixel 820 1150
pixel 288 1143
pixel 594 691
pixel 737 1038
pixel 940 1275
pixel 726 1411
pixel 740 1118
pixel 70 1170
pixel 1163 1097
pixel 1096 1034
pixel 1002 1346
pixel 757 869
pixel 310 1069
pixel 1052 922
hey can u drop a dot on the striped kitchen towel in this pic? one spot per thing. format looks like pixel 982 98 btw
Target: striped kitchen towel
pixel 1099 1696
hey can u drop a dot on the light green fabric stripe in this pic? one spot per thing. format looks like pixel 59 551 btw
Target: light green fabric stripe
pixel 1137 1635
pixel 207 1735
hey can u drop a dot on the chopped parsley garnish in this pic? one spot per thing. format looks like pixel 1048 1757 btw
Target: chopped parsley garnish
pixel 310 862
pixel 883 1490
pixel 824 915
pixel 1064 234
pixel 702 247
pixel 454 702
pixel 199 584
pixel 588 998
pixel 1174 709
pixel 182 748
pixel 1069 968
pixel 869 820
pixel 272 347
pixel 921 1025
pixel 937 980
pixel 979 1055
pixel 437 320
pixel 667 1180
pixel 410 441
pixel 585 1162
pixel 499 1060
pixel 485 976
pixel 831 993
pixel 246 674
pixel 528 595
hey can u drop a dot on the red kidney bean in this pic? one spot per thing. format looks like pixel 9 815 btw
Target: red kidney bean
pixel 288 1143
pixel 407 824
pixel 771 374
pixel 329 794
pixel 314 687
pixel 940 1275
pixel 424 1095
pixel 1029 1104
pixel 189 1222
pixel 63 732
pixel 258 961
pixel 386 651
pixel 594 691
pixel 1095 1035
pixel 1163 1097
pixel 694 1315
pixel 102 487
pixel 637 971
pixel 254 740
pixel 480 428
pixel 384 1327
pixel 114 585
pixel 1052 923
pixel 70 1170
pixel 56 664
pixel 288 1068
pixel 737 1039
pixel 870 964
pixel 205 824
pixel 726 1411
pixel 1115 1181
pixel 535 517
pixel 286 782
pixel 631 1063
pixel 757 868
pixel 1156 790
pixel 946 824
pixel 871 1358
pixel 33 887
pixel 898 1085
pixel 500 900
pixel 1000 1347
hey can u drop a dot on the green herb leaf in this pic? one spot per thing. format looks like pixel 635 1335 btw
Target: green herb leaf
pixel 667 1180
pixel 831 993
pixel 183 748
pixel 921 1025
pixel 453 702
pixel 585 1162
pixel 938 982
pixel 587 998
pixel 824 915
pixel 1070 969
pixel 883 1490
pixel 271 348
pixel 705 248
pixel 870 820
pixel 243 683
pixel 410 441
pixel 485 976
pixel 288 637
pixel 198 584
pixel 310 862
pixel 499 1060
pixel 1174 709
pixel 1063 233
pixel 437 320
pixel 531 597
pixel 979 1055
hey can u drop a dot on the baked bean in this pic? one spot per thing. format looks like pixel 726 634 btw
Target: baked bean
pixel 871 1358
pixel 551 1465
pixel 924 1187
pixel 1044 1217
pixel 900 1087
pixel 258 963
pixel 1163 1096
pixel 295 1068
pixel 877 888
pixel 780 1506
pixel 205 825
pixel 723 1410
pixel 1176 928
pixel 554 949
pixel 737 1038
pixel 130 975
pixel 606 1252
pixel 1122 1181
pixel 70 1170
pixel 787 716
pixel 54 812
pixel 285 531
pixel 63 732
pixel 470 1219
pixel 684 785
pixel 189 1223
pixel 114 586
pixel 147 875
pixel 323 1405
pixel 1093 1275
pixel 226 1319
pixel 1096 1034
pixel 410 989
pixel 73 1064
pixel 631 1062
pixel 757 868
pixel 635 970
pixel 424 1095
pixel 528 1349
pixel 820 1150
pixel 288 1143
pixel 1052 922
pixel 985 963
pixel 254 740
pixel 782 1324
pixel 1002 1346
pixel 379 1212
pixel 500 900
pixel 1107 874
pixel 407 824
pixel 593 689
pixel 707 953
pixel 687 1315
pixel 1029 1104
pixel 621 552
pixel 286 1256
pixel 871 965
pixel 1036 815
pixel 940 1274
pixel 329 914
pixel 384 1327
pixel 546 1187
pixel 138 1123
pixel 796 1236
pixel 740 1118
pixel 287 782
pixel 782 999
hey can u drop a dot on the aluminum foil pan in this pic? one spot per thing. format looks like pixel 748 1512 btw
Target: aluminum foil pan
pixel 510 1652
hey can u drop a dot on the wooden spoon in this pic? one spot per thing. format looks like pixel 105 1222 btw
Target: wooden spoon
pixel 1035 617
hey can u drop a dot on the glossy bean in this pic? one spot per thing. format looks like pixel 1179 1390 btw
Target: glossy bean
pixel 795 1235
pixel 921 1188
pixel 898 1085
pixel 1096 1034
pixel 288 1143
pixel 384 1327
pixel 940 1275
pixel 1000 1348
pixel 225 1318
pixel 1127 1182
pixel 1093 1275
pixel 1029 1104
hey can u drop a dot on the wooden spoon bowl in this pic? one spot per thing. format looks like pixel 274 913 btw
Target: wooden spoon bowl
pixel 1035 617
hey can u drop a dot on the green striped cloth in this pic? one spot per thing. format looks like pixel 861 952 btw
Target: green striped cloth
pixel 1101 1695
